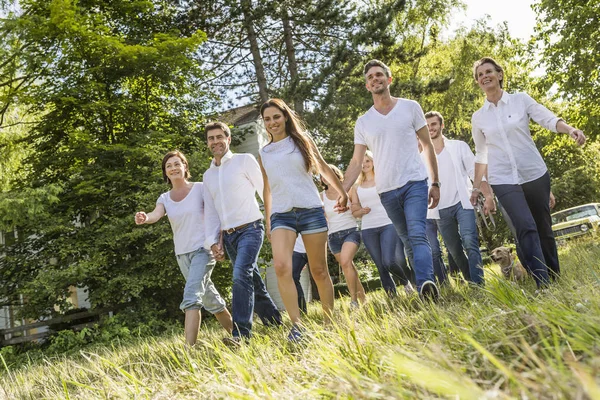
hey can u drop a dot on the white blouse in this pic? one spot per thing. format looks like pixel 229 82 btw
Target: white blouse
pixel 503 140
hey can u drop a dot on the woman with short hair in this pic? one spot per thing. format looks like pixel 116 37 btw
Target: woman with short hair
pixel 506 152
pixel 184 206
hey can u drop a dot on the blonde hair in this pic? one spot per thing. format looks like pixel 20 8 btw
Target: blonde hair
pixel 362 176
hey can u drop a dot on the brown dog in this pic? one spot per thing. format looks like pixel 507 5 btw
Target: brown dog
pixel 511 268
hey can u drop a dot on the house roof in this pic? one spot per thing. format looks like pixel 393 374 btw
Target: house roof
pixel 240 115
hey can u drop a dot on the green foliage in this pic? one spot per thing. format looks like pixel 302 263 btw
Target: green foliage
pixel 568 35
pixel 117 91
pixel 575 171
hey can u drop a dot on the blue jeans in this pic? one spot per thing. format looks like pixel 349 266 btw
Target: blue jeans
pixel 458 227
pixel 439 268
pixel 407 208
pixel 196 267
pixel 528 208
pixel 387 251
pixel 299 260
pixel 249 291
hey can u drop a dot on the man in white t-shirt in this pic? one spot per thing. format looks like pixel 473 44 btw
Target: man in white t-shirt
pixel 233 223
pixel 388 129
pixel 454 214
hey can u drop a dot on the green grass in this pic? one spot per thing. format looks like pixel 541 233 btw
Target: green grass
pixel 500 342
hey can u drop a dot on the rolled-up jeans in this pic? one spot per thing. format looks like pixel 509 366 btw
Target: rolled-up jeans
pixel 249 291
pixel 196 267
pixel 407 208
pixel 458 226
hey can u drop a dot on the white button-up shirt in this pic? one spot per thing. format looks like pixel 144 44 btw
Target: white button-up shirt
pixel 230 194
pixel 503 140
pixel 464 168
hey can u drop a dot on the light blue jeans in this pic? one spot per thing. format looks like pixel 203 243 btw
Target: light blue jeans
pixel 196 267
pixel 407 208
pixel 458 227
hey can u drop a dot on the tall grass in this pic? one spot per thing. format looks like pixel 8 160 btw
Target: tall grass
pixel 500 342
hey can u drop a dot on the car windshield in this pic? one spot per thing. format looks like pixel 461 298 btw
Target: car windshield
pixel 576 213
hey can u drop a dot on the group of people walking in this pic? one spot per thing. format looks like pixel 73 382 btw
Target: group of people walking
pixel 424 182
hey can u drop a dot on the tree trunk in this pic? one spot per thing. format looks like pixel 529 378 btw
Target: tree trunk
pixel 254 49
pixel 292 64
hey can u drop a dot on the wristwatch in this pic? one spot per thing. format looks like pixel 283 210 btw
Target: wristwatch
pixel 437 184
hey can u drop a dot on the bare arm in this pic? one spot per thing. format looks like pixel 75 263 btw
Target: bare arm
pixel 431 162
pixel 150 218
pixel 576 134
pixel 333 180
pixel 357 209
pixel 355 166
pixel 266 199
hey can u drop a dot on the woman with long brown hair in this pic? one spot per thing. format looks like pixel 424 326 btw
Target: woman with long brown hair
pixel 293 205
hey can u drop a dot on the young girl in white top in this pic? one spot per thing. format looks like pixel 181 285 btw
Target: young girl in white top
pixel 184 205
pixel 378 232
pixel 293 205
pixel 343 239
pixel 515 169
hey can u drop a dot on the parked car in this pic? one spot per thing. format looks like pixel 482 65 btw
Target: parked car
pixel 576 221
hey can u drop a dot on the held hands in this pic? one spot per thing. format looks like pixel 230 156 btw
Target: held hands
pixel 217 250
pixel 434 196
pixel 578 136
pixel 342 204
pixel 140 218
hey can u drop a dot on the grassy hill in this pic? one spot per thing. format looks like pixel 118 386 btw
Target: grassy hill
pixel 500 342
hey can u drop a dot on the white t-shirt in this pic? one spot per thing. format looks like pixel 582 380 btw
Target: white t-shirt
pixel 186 218
pixel 337 221
pixel 393 140
pixel 377 217
pixel 447 173
pixel 291 185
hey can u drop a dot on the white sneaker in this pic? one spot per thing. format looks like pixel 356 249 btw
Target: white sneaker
pixel 429 291
pixel 409 289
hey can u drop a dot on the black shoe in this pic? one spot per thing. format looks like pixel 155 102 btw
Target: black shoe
pixel 429 291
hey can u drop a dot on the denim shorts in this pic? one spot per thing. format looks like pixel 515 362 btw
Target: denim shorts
pixel 196 267
pixel 337 239
pixel 300 220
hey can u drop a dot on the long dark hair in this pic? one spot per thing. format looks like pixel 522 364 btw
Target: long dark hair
pixel 296 129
